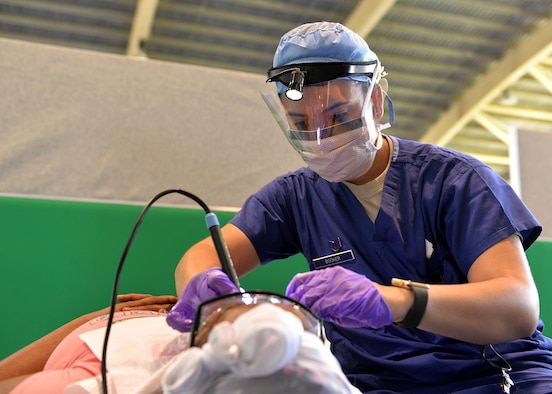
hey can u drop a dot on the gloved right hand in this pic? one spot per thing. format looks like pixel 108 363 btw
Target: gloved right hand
pixel 202 287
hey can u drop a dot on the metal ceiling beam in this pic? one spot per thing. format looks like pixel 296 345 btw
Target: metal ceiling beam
pixel 494 160
pixel 494 126
pixel 141 26
pixel 367 14
pixel 516 63
pixel 542 75
pixel 518 112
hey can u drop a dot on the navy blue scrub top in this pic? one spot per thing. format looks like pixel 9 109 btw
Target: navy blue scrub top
pixel 440 210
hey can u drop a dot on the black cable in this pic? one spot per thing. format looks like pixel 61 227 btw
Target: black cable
pixel 507 367
pixel 507 385
pixel 120 267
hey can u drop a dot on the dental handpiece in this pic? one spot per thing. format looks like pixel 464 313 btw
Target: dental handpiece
pixel 222 250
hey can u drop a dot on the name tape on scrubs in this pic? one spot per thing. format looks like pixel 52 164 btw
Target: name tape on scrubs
pixel 333 259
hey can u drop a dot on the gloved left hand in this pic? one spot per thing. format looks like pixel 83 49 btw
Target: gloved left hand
pixel 341 296
pixel 202 287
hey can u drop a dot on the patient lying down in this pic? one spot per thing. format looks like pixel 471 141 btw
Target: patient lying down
pixel 243 343
pixel 261 347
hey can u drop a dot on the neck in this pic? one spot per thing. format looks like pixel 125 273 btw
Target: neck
pixel 379 166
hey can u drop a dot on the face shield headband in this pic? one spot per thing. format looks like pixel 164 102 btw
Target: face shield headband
pixel 295 76
pixel 212 310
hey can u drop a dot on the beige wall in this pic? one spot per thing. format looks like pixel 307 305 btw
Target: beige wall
pixel 534 168
pixel 90 125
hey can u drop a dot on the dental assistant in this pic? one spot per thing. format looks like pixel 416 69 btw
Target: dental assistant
pixel 416 252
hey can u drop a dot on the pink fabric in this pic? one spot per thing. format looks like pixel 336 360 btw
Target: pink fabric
pixel 72 360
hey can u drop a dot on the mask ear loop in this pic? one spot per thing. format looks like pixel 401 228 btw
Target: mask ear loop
pixel 391 108
pixel 507 384
pixel 380 78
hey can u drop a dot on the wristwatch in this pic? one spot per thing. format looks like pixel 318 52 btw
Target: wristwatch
pixel 416 312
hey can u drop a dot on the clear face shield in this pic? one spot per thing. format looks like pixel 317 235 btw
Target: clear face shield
pixel 329 114
pixel 317 101
pixel 325 111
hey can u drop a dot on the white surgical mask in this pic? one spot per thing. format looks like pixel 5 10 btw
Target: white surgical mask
pixel 346 156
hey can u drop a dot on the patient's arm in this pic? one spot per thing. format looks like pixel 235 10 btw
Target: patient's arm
pixel 33 357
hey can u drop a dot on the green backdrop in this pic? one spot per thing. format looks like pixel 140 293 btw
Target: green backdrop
pixel 58 260
pixel 539 255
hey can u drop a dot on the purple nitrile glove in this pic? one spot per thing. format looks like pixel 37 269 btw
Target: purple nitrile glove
pixel 202 287
pixel 341 296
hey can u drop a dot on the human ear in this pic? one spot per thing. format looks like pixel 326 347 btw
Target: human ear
pixel 377 101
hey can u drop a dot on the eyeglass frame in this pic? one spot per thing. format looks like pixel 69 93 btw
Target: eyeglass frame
pixel 199 323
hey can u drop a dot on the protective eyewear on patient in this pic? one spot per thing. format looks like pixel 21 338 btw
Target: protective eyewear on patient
pixel 216 306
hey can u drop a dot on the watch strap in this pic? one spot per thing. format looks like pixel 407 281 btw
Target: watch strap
pixel 416 312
